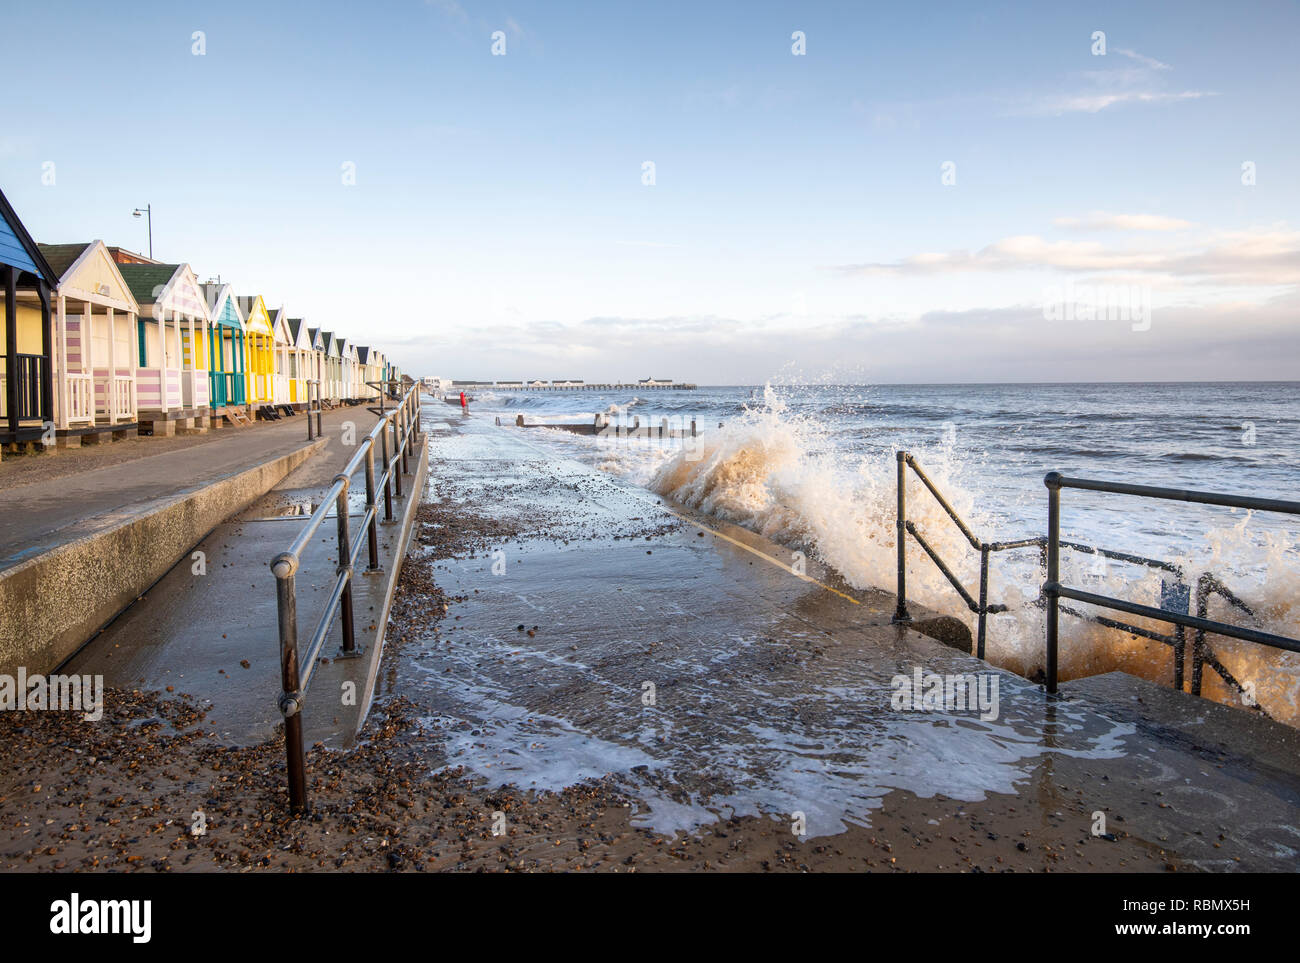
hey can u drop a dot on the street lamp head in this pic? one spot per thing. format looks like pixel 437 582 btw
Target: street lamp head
pixel 137 212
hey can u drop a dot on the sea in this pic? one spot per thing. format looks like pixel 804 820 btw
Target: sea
pixel 812 467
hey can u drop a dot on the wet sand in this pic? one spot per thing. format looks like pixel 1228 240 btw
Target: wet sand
pixel 509 731
pixel 124 797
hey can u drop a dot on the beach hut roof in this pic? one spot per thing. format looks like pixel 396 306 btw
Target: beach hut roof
pixel 363 354
pixel 280 324
pixel 171 285
pixel 18 249
pixel 256 317
pixel 63 256
pixel 148 281
pixel 299 333
pixel 219 296
pixel 86 271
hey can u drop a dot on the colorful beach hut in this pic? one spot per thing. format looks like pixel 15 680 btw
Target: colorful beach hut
pixel 259 350
pixel 280 343
pixel 372 366
pixel 172 381
pixel 95 364
pixel 316 371
pixel 365 391
pixel 226 378
pixel 332 380
pixel 27 375
pixel 301 359
pixel 349 391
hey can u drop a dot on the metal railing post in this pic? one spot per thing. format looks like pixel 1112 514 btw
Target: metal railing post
pixel 402 434
pixel 1198 640
pixel 1052 587
pixel 284 567
pixel 388 473
pixel 372 510
pixel 984 601
pixel 1180 656
pixel 900 530
pixel 398 467
pixel 345 569
pixel 310 436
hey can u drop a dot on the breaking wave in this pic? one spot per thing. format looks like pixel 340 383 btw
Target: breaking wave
pixel 780 473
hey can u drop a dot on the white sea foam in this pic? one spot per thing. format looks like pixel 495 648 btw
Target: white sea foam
pixel 803 476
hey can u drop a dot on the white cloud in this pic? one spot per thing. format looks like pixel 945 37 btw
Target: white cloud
pixel 1145 61
pixel 1092 103
pixel 1258 257
pixel 1104 221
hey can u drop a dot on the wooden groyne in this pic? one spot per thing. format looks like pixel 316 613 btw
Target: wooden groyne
pixel 603 427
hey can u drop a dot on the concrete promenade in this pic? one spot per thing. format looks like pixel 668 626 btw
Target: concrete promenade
pixel 42 515
pixel 212 633
pixel 79 549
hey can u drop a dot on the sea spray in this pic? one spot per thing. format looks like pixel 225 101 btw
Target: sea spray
pixel 778 473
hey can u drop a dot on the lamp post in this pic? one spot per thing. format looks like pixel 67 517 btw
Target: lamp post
pixel 147 210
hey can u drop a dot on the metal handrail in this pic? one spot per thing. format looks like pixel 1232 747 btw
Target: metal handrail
pixel 295 674
pixel 1202 655
pixel 1054 591
pixel 982 608
pixel 384 388
pixel 903 528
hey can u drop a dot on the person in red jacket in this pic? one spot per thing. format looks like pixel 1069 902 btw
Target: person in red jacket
pixel 464 404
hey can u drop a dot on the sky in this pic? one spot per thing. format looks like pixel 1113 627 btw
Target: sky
pixel 846 192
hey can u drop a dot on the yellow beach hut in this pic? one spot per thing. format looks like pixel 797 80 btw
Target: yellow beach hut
pixel 27 373
pixel 301 359
pixel 259 353
pixel 95 363
pixel 172 382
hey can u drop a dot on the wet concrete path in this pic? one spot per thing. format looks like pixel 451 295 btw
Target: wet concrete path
pixel 209 629
pixel 687 657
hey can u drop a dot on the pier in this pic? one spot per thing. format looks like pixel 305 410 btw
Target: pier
pixel 574 386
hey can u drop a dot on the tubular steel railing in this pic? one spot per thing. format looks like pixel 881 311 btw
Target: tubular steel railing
pixel 903 528
pixel 384 390
pixel 295 672
pixel 1208 585
pixel 1174 592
